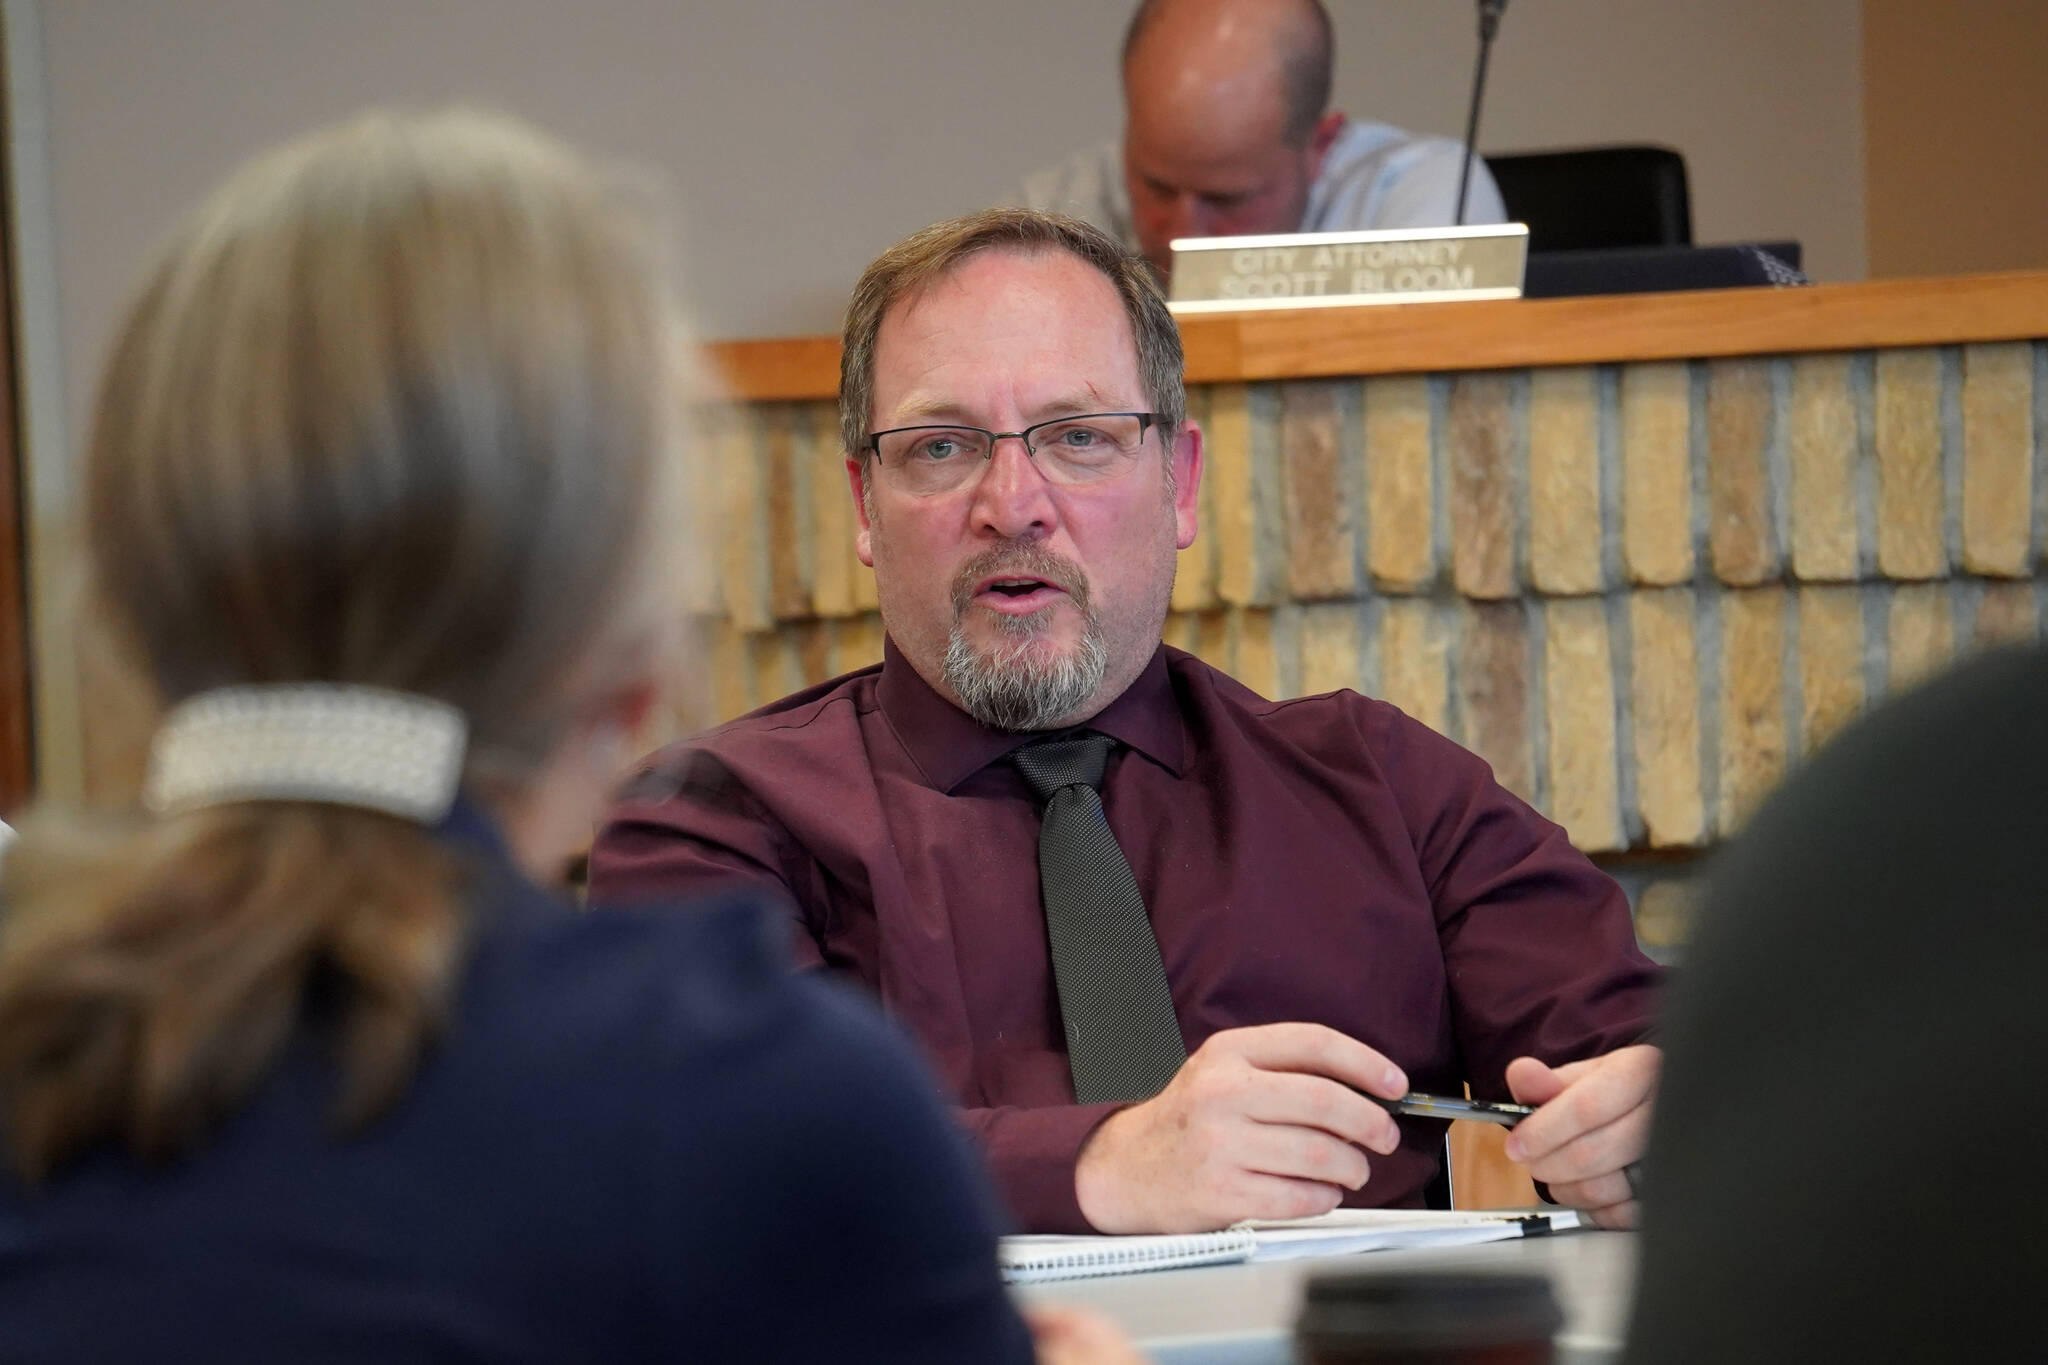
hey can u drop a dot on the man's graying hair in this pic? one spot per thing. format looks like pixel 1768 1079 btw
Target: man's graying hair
pixel 917 261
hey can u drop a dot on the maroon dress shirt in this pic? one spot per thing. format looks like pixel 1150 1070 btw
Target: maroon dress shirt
pixel 1325 859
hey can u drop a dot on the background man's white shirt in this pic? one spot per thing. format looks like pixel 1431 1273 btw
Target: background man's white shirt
pixel 1375 176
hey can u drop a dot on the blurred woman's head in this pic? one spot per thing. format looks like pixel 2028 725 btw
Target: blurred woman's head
pixel 393 411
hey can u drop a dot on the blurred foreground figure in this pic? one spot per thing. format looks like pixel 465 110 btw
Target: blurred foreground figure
pixel 299 1064
pixel 1846 1155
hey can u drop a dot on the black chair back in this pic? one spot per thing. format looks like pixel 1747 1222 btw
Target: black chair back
pixel 1591 197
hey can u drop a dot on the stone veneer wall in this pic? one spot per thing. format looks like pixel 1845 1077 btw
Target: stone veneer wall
pixel 1638 590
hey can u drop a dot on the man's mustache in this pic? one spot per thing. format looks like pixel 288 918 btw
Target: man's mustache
pixel 1019 561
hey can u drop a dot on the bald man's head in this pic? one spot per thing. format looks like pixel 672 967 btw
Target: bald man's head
pixel 1225 122
pixel 1298 46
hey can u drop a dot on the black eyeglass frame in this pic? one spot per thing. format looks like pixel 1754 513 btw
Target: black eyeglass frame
pixel 1147 421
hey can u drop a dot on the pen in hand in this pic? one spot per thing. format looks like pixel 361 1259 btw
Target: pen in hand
pixel 1446 1107
pixel 1484 1111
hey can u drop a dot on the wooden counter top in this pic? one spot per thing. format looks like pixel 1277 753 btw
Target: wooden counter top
pixel 1513 333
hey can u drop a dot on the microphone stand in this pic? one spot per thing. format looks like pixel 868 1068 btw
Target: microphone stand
pixel 1489 24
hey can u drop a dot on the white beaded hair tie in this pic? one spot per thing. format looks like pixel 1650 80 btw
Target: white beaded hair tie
pixel 349 746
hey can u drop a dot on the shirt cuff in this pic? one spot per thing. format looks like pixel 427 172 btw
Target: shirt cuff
pixel 1032 1153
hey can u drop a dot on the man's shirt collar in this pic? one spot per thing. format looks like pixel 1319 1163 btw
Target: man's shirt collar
pixel 949 746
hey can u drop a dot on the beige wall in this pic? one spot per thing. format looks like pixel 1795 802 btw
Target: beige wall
pixel 1955 102
pixel 1762 96
pixel 804 135
pixel 802 145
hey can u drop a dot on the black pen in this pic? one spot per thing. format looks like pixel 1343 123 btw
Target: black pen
pixel 1445 1107
pixel 1485 1111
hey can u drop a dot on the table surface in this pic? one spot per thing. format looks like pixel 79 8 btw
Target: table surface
pixel 1224 1315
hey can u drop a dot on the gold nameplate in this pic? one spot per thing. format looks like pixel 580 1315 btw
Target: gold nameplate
pixel 1323 269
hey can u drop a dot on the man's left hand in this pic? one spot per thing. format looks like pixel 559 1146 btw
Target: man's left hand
pixel 1592 1119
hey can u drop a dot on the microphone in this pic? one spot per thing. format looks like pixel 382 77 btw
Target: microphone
pixel 1489 24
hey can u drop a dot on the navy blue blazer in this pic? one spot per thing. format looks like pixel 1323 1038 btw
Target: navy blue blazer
pixel 639 1137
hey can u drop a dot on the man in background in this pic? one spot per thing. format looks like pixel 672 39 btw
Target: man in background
pixel 1228 132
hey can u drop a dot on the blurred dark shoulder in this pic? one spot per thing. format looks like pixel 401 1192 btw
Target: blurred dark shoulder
pixel 1912 796
pixel 1845 1144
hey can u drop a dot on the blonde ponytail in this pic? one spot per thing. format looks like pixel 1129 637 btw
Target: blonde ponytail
pixel 151 971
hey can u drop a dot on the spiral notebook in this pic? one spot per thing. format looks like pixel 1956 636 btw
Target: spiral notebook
pixel 1032 1259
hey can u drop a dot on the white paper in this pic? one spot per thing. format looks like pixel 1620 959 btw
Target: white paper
pixel 1028 1260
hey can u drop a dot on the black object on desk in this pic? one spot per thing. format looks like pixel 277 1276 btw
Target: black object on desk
pixel 1427 1316
pixel 1661 269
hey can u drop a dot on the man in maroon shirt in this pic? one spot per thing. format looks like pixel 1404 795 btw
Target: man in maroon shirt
pixel 1343 900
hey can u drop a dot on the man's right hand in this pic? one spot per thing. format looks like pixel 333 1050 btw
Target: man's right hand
pixel 1259 1123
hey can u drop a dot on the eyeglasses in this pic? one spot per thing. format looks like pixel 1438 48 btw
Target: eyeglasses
pixel 1067 450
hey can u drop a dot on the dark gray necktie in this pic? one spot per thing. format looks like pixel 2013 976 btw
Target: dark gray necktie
pixel 1123 1042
